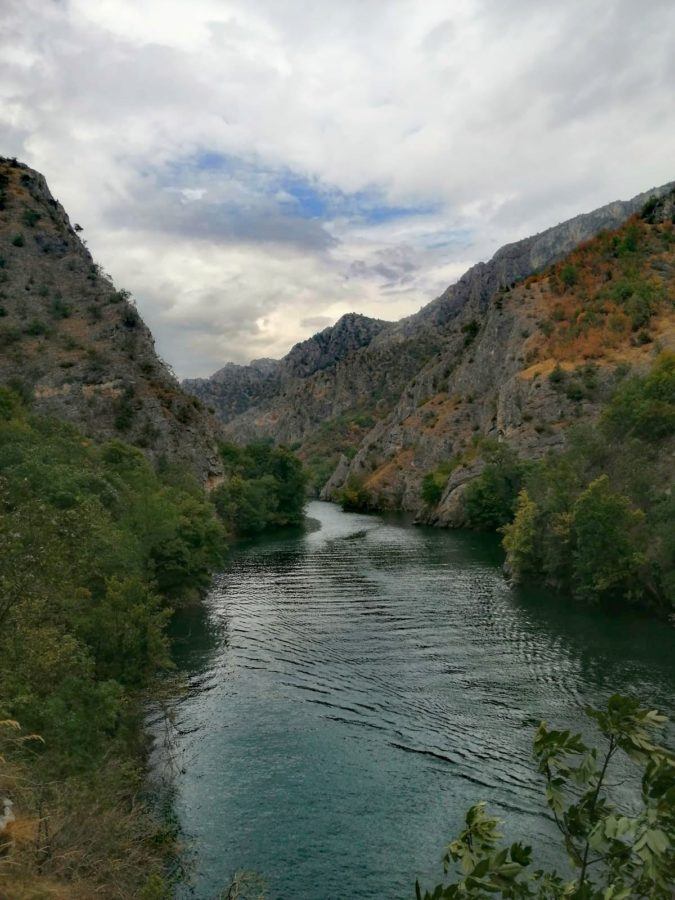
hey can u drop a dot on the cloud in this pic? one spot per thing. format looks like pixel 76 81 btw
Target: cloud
pixel 249 168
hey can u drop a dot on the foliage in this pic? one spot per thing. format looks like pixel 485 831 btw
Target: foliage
pixel 607 540
pixel 434 482
pixel 490 499
pixel 617 852
pixel 322 449
pixel 644 407
pixel 432 490
pixel 470 331
pixel 264 487
pixel 593 520
pixel 355 496
pixel 95 549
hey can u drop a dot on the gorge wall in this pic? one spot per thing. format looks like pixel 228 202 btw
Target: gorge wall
pixel 392 402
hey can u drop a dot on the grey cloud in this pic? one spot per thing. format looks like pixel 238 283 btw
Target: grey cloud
pixel 317 322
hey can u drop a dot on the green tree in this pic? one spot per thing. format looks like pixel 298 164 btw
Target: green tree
pixel 608 543
pixel 520 537
pixel 490 499
pixel 432 491
pixel 644 407
pixel 616 852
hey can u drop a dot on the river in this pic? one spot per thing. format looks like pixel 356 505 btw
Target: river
pixel 354 688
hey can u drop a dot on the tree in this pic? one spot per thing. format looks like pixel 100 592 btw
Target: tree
pixel 608 545
pixel 617 853
pixel 490 499
pixel 520 537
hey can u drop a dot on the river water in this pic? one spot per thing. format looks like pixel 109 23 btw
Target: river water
pixel 354 688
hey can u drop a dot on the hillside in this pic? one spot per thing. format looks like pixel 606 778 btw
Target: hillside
pixel 360 415
pixel 77 346
pixel 544 355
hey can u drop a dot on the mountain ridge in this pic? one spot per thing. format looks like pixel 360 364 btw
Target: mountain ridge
pixel 333 415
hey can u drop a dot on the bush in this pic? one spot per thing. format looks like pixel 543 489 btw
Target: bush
pixel 470 331
pixel 59 309
pixel 569 275
pixel 489 500
pixel 355 496
pixel 35 328
pixel 614 853
pixel 264 487
pixel 432 491
pixel 31 217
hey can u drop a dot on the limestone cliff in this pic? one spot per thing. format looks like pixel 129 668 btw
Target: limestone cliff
pixel 524 363
pixel 355 416
pixel 77 346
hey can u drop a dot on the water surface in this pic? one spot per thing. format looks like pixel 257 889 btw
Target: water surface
pixel 353 689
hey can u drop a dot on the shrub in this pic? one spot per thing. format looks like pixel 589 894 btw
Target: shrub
pixel 18 240
pixel 31 217
pixel 432 491
pixel 355 497
pixel 489 500
pixel 557 375
pixel 35 328
pixel 569 275
pixel 614 853
pixel 59 309
pixel 470 331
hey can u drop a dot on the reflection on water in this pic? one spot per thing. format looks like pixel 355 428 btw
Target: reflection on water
pixel 353 689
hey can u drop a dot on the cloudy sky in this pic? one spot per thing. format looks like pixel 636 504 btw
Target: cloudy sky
pixel 253 169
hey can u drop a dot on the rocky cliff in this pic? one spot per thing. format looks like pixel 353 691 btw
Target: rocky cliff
pixel 77 346
pixel 522 365
pixel 366 413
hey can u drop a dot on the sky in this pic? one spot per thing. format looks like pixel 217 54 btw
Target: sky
pixel 251 170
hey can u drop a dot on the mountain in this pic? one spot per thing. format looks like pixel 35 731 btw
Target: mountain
pixel 77 346
pixel 386 412
pixel 234 389
pixel 539 357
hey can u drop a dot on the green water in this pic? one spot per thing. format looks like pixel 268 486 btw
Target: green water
pixel 354 688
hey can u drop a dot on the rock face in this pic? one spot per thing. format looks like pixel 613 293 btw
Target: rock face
pixel 77 346
pixel 233 389
pixel 522 366
pixel 387 410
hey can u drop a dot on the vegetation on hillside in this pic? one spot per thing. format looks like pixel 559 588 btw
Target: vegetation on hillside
pixel 264 487
pixel 594 520
pixel 617 849
pixel 322 449
pixel 98 548
pixel 597 519
pixel 608 291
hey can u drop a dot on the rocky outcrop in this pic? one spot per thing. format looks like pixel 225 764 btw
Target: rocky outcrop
pixel 521 366
pixel 232 390
pixel 77 346
pixel 429 384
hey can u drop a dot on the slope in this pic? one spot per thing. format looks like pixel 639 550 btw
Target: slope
pixel 76 346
